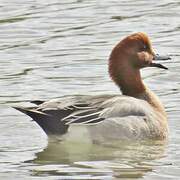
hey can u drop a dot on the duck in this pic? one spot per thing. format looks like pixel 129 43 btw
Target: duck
pixel 134 114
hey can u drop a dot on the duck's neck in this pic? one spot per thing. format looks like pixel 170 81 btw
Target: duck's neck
pixel 133 86
pixel 130 82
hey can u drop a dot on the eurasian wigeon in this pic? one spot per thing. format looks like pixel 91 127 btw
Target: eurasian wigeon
pixel 138 114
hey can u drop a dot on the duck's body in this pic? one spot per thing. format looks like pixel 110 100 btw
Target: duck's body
pixel 138 114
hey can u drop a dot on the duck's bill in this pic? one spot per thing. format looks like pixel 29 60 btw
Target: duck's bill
pixel 157 57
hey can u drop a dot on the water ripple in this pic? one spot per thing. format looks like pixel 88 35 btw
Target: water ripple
pixel 54 48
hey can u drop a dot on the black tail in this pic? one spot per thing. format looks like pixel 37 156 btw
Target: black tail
pixel 51 123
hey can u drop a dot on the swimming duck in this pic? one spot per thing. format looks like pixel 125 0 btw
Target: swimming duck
pixel 137 114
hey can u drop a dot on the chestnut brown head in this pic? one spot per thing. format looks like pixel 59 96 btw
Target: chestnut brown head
pixel 129 56
pixel 138 51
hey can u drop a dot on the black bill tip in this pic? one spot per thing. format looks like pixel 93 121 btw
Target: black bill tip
pixel 158 65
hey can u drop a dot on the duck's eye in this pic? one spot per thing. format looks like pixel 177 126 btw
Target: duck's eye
pixel 145 47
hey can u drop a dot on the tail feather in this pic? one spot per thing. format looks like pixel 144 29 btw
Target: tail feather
pixel 37 102
pixel 30 112
pixel 51 123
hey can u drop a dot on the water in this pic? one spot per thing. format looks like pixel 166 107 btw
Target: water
pixel 54 48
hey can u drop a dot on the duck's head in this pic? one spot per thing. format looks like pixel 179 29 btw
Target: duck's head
pixel 129 56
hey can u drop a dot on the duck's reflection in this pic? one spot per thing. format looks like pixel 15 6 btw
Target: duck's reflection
pixel 120 159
